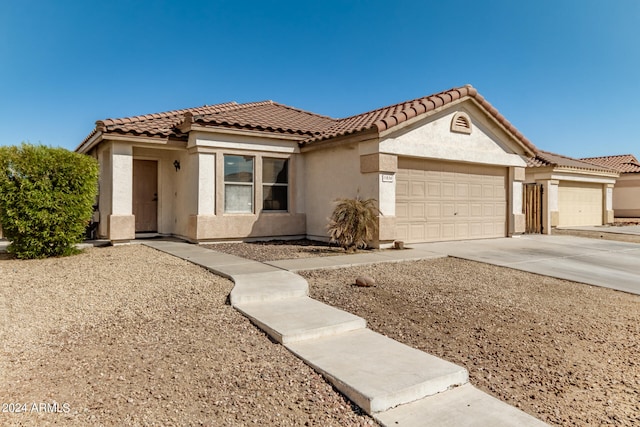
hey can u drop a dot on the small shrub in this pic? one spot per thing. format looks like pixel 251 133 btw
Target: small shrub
pixel 353 223
pixel 46 199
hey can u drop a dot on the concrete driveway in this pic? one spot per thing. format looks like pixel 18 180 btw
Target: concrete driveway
pixel 596 262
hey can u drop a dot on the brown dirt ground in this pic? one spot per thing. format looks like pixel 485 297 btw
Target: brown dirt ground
pixel 127 335
pixel 130 336
pixel 564 352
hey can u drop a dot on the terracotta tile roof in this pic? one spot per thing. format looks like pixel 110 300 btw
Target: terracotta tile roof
pixel 157 124
pixel 268 116
pixel 265 116
pixel 624 163
pixel 546 158
pixel 388 117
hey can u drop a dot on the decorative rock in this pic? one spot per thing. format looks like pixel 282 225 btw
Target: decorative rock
pixel 365 281
pixel 398 244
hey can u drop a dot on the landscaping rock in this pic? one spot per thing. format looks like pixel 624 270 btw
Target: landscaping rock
pixel 365 281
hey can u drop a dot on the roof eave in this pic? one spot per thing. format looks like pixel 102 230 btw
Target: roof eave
pixel 246 132
pixel 353 137
pixel 586 171
pixel 92 140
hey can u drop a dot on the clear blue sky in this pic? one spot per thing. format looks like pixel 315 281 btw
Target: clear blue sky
pixel 566 73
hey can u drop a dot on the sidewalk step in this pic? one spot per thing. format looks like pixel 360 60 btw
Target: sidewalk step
pixel 296 319
pixel 463 406
pixel 376 372
pixel 268 286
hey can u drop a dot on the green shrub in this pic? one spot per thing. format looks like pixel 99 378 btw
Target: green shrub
pixel 46 199
pixel 353 223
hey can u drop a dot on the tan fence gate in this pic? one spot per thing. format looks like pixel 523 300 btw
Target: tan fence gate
pixel 533 208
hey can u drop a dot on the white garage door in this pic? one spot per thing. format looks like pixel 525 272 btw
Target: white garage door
pixel 579 203
pixel 449 201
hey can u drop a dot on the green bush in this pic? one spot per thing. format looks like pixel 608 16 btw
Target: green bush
pixel 353 223
pixel 46 199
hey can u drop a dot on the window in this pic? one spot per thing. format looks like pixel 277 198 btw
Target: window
pixel 238 184
pixel 275 184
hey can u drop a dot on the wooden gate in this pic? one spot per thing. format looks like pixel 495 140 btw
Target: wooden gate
pixel 533 208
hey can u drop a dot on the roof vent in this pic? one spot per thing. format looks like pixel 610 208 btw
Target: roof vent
pixel 461 123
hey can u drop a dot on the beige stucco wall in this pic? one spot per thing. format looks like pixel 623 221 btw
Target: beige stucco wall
pixel 626 196
pixel 433 138
pixel 330 174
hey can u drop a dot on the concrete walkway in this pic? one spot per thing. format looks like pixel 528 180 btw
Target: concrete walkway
pixel 598 262
pixel 616 229
pixel 396 384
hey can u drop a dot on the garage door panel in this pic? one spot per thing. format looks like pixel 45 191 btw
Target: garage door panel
pixel 448 231
pixel 476 230
pixel 434 189
pixel 449 201
pixel 462 230
pixel 417 230
pixel 580 203
pixel 433 231
pixel 476 210
pixel 417 211
pixel 462 211
pixel 448 210
pixel 462 190
pixel 448 189
pixel 402 210
pixel 418 189
pixel 402 189
pixel 433 211
pixel 475 191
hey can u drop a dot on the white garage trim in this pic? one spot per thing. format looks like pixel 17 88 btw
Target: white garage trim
pixel 438 200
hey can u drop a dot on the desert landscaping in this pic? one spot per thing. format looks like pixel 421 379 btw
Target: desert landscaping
pixel 128 335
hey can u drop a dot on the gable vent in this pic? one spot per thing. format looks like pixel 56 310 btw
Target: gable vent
pixel 461 123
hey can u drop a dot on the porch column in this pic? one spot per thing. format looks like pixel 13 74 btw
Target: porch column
pixel 122 225
pixel 549 205
pixel 201 222
pixel 385 167
pixel 608 204
pixel 517 223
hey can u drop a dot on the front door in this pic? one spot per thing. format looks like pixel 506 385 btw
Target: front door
pixel 145 195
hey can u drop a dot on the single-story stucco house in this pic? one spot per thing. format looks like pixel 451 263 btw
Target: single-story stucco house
pixel 626 194
pixel 574 192
pixel 443 167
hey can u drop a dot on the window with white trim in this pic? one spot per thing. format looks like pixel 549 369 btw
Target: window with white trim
pixel 275 184
pixel 238 184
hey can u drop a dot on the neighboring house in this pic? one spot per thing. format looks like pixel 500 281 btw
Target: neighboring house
pixel 574 192
pixel 444 167
pixel 626 194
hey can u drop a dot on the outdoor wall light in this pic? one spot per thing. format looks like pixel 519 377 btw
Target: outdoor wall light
pixel 176 164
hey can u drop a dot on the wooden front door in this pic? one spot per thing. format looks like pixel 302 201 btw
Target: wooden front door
pixel 145 195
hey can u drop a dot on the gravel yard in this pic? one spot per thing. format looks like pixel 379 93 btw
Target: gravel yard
pixel 130 336
pixel 564 352
pixel 275 250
